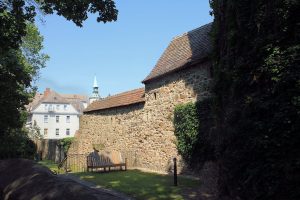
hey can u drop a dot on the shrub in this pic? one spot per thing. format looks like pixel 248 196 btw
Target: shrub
pixel 16 144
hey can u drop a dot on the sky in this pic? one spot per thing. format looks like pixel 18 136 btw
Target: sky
pixel 120 54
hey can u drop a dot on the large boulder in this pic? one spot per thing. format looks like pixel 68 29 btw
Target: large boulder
pixel 24 179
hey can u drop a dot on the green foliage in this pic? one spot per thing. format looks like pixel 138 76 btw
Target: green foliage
pixel 193 123
pixel 18 67
pixel 16 144
pixel 78 10
pixel 21 57
pixel 257 72
pixel 66 143
pixel 186 126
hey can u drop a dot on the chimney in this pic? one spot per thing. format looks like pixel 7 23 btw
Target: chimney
pixel 46 92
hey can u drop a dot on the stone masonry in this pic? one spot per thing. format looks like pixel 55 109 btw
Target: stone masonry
pixel 144 132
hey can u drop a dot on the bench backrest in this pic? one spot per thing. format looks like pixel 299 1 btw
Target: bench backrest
pixel 104 158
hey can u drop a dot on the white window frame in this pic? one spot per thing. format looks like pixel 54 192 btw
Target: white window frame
pixel 46 118
pixel 57 118
pixel 57 131
pixel 68 119
pixel 68 131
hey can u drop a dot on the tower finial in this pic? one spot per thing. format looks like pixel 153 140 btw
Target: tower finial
pixel 95 82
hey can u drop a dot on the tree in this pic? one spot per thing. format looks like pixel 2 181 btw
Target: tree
pixel 20 57
pixel 257 88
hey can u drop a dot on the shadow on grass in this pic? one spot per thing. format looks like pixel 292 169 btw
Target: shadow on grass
pixel 143 185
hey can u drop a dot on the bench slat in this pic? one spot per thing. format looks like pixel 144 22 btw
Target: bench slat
pixel 110 159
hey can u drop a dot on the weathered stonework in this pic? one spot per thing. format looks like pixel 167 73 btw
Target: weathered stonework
pixel 144 132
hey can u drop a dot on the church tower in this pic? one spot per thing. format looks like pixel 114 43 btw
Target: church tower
pixel 95 95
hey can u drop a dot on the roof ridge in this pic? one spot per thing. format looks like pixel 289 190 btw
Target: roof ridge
pixel 123 93
pixel 189 46
pixel 189 32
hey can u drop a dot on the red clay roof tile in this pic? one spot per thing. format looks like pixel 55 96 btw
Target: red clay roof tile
pixel 122 99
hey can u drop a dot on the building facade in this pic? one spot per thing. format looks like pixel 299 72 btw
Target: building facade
pixel 56 115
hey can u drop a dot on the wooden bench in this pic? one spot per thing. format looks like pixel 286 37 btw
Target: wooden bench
pixel 105 160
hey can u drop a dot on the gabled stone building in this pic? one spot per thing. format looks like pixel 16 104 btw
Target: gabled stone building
pixel 139 123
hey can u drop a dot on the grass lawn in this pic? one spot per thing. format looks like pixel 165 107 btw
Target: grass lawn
pixel 141 185
pixel 51 165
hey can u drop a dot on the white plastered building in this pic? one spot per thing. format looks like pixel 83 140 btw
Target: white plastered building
pixel 56 115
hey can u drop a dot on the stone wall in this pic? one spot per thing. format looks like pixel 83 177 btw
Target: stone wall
pixel 144 132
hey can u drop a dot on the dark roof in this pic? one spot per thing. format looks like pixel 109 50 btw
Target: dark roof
pixel 122 99
pixel 187 48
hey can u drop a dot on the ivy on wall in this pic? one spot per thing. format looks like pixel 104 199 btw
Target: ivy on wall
pixel 193 123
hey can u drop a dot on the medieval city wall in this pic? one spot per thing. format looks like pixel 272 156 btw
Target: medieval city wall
pixel 144 132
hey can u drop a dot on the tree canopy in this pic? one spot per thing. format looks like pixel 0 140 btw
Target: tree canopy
pixel 257 88
pixel 21 57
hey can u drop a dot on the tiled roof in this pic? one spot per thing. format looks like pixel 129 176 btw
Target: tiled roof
pixel 35 101
pixel 53 97
pixel 187 48
pixel 122 99
pixel 71 97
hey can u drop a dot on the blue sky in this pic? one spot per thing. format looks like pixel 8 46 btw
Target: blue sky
pixel 121 54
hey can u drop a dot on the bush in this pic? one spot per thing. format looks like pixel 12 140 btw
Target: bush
pixel 66 143
pixel 16 144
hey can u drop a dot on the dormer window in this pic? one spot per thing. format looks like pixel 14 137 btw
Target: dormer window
pixel 46 106
pixel 65 107
pixel 57 107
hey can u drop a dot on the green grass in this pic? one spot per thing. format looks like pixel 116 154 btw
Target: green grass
pixel 141 185
pixel 51 165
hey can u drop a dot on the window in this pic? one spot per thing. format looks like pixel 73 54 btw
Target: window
pixel 50 108
pixel 65 107
pixel 46 106
pixel 45 118
pixel 57 131
pixel 45 131
pixel 57 107
pixel 57 119
pixel 155 95
pixel 68 119
pixel 67 131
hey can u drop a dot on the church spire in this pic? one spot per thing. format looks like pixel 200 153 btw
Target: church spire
pixel 95 82
pixel 95 94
